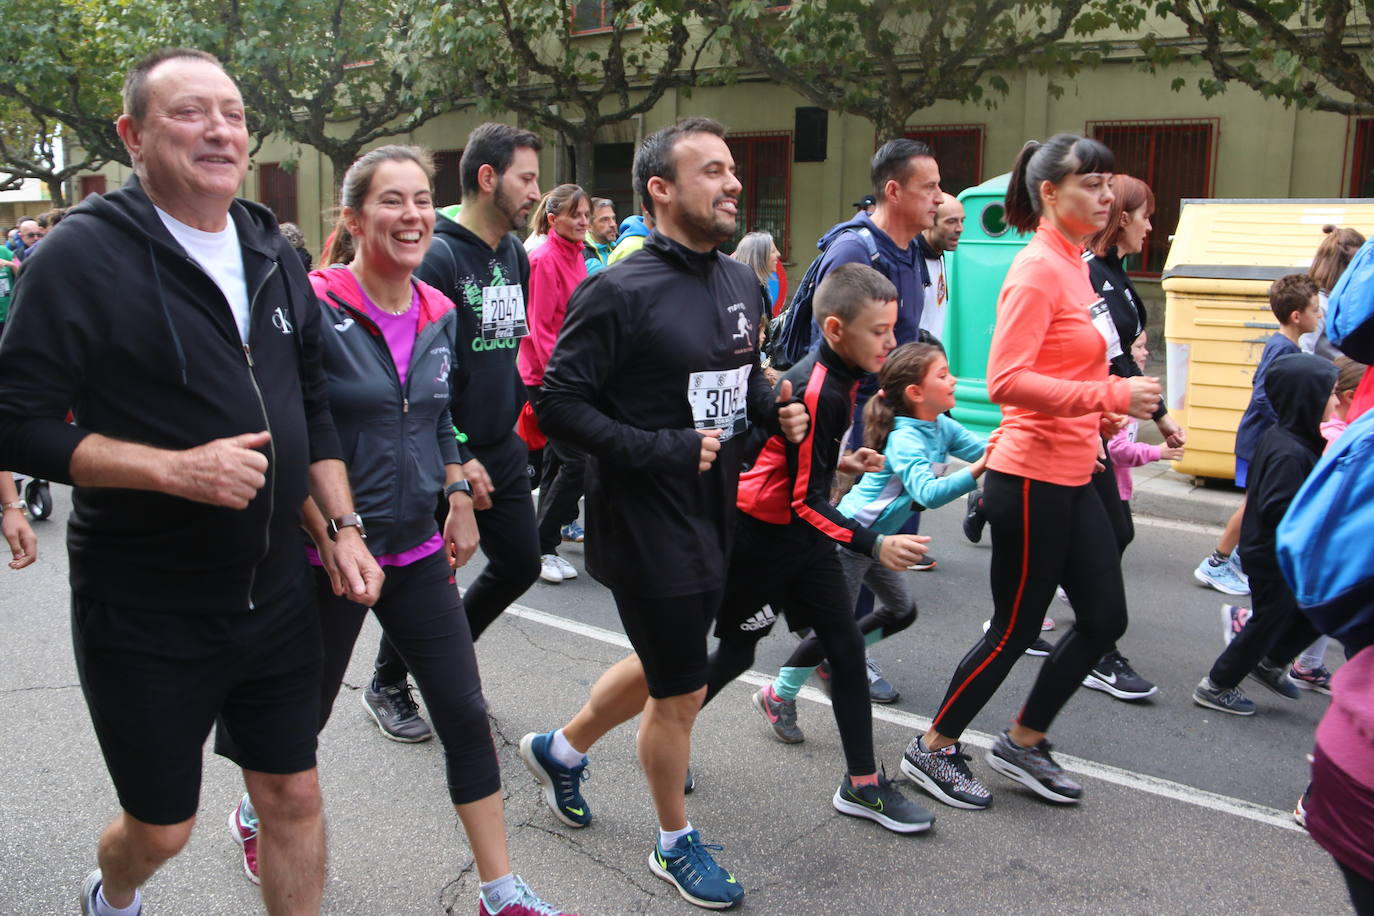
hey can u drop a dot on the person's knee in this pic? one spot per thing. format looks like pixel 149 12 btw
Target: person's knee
pixel 293 796
pixel 896 619
pixel 679 709
pixel 159 841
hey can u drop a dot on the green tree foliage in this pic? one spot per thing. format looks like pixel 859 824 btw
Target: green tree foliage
pixel 1313 54
pixel 30 148
pixel 334 75
pixel 887 59
pixel 538 59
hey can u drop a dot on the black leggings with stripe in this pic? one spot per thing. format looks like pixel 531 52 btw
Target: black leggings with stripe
pixel 1043 535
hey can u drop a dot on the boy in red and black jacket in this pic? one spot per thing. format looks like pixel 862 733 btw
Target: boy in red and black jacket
pixel 786 531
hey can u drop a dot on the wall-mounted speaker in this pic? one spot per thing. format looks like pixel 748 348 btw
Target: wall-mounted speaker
pixel 809 135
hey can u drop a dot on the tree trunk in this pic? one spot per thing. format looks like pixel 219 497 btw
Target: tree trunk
pixel 340 160
pixel 584 165
pixel 55 192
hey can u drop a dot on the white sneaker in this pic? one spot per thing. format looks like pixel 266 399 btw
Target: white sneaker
pixel 564 567
pixel 551 569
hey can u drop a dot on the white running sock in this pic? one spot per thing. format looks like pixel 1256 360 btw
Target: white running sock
pixel 103 907
pixel 564 752
pixel 667 839
pixel 496 894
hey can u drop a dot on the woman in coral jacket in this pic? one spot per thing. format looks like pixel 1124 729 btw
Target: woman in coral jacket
pixel 556 268
pixel 1048 369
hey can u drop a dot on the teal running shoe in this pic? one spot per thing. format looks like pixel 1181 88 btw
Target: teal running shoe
pixel 688 866
pixel 562 785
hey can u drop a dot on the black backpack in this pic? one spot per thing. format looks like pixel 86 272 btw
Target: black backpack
pixel 792 334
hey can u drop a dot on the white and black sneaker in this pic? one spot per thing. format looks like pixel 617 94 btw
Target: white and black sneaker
pixel 945 775
pixel 1034 768
pixel 1114 675
pixel 884 804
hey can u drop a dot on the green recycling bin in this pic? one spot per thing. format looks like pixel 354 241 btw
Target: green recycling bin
pixel 976 270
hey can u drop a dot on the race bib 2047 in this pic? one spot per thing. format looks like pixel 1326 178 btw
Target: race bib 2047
pixel 503 312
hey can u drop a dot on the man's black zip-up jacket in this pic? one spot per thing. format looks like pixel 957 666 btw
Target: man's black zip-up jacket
pixel 487 392
pixel 113 320
pixel 653 347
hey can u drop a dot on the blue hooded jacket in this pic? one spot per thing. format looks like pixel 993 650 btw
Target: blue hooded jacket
pixel 904 267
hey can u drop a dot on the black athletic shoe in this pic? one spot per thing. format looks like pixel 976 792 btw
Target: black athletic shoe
pixel 883 804
pixel 1276 678
pixel 973 517
pixel 945 775
pixel 1034 768
pixel 1113 674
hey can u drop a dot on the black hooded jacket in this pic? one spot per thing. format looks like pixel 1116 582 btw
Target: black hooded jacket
pixel 1299 386
pixel 114 321
pixel 486 390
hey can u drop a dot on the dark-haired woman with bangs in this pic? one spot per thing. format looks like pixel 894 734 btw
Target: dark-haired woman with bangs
pixel 1048 369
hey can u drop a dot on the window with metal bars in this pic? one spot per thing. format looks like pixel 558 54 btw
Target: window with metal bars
pixel 1175 158
pixel 448 179
pixel 764 163
pixel 1362 173
pixel 594 15
pixel 958 150
pixel 277 190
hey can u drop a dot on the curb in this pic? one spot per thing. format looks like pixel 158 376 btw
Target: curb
pixel 1163 493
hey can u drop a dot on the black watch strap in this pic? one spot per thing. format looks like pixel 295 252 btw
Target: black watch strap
pixel 458 486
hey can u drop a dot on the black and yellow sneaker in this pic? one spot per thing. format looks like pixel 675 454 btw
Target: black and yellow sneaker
pixel 883 803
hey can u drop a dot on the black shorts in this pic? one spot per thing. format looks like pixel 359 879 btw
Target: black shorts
pixel 787 569
pixel 155 683
pixel 669 635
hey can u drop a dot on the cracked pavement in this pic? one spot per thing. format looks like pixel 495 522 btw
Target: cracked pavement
pixel 396 846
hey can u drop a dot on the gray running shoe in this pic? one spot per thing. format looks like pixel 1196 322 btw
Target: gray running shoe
pixel 945 775
pixel 89 888
pixel 396 713
pixel 1276 679
pixel 880 690
pixel 1228 699
pixel 1034 768
pixel 780 714
pixel 883 804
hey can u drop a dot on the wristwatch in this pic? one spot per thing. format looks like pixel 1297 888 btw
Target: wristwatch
pixel 351 520
pixel 458 486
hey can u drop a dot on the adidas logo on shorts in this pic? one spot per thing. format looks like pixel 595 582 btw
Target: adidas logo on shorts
pixel 760 621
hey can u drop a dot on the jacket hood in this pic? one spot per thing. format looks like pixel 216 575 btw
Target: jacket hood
pixel 632 225
pixel 337 286
pixel 603 247
pixel 1298 386
pixel 887 248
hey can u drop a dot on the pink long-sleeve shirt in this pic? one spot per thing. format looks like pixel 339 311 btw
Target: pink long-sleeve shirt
pixel 556 267
pixel 1127 453
pixel 1048 366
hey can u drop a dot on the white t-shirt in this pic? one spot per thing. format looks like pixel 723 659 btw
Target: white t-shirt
pixel 219 255
pixel 937 299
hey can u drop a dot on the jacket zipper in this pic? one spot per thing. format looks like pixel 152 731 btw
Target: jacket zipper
pixel 389 362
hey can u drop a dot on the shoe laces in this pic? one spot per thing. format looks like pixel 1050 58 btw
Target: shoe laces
pixel 698 860
pixel 570 780
pixel 399 698
pixel 875 671
pixel 531 901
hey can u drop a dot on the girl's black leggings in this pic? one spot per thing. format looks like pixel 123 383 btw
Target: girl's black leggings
pixel 423 618
pixel 1043 535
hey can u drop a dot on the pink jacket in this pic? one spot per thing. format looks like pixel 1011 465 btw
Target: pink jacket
pixel 1126 453
pixel 556 267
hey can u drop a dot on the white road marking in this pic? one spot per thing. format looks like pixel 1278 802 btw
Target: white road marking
pixel 1178 525
pixel 1129 779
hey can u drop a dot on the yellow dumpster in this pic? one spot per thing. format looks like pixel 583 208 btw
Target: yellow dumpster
pixel 1224 255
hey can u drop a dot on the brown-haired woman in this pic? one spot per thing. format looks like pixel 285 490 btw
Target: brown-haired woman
pixel 1333 256
pixel 1048 369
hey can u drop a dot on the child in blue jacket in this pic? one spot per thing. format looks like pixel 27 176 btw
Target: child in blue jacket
pixel 907 421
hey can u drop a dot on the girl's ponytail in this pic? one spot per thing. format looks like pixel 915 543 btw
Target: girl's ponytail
pixel 879 418
pixel 1022 208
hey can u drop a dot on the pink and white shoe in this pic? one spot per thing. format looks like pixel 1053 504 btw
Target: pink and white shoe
pixel 246 835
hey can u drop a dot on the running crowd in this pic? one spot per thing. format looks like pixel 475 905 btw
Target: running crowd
pixel 320 443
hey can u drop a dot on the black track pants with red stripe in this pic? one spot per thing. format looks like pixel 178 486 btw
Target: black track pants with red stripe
pixel 1043 535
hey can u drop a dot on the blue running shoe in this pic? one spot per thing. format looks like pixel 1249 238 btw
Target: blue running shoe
pixel 688 866
pixel 1222 577
pixel 573 532
pixel 562 785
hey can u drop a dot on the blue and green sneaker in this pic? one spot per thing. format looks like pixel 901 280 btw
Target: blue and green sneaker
pixel 562 785
pixel 688 866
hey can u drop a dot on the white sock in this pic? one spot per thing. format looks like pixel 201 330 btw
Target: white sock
pixel 103 907
pixel 247 813
pixel 667 839
pixel 564 752
pixel 496 894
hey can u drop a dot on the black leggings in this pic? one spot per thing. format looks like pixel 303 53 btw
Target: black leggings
pixel 1118 510
pixel 1276 633
pixel 1361 890
pixel 509 542
pixel 895 610
pixel 1043 535
pixel 423 617
pixel 560 486
pixel 791 567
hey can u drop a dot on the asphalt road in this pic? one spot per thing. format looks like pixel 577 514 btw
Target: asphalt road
pixel 1185 810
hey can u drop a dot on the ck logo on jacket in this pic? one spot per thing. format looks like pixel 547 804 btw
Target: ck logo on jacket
pixel 281 321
